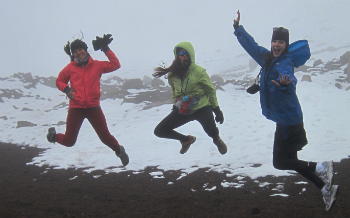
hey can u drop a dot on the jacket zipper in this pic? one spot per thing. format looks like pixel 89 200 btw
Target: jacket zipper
pixel 185 87
pixel 86 100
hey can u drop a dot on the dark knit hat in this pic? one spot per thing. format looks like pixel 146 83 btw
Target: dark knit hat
pixel 280 33
pixel 76 44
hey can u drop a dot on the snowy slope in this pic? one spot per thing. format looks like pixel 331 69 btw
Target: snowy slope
pixel 144 34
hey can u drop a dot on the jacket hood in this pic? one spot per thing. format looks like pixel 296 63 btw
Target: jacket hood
pixel 188 47
pixel 299 52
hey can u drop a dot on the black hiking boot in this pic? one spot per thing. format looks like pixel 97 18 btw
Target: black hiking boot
pixel 123 156
pixel 51 135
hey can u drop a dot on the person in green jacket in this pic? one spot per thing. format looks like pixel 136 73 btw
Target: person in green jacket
pixel 194 98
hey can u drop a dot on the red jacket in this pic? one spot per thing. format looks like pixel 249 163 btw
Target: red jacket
pixel 86 81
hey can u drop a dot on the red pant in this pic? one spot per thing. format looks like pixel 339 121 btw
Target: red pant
pixel 97 119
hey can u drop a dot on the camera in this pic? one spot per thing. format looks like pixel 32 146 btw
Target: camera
pixel 253 89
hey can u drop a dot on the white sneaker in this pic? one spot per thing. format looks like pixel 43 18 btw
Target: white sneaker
pixel 186 145
pixel 327 174
pixel 329 197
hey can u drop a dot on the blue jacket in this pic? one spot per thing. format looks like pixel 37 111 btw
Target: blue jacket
pixel 279 104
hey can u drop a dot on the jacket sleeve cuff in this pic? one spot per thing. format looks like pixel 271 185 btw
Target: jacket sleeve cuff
pixel 105 48
pixel 216 109
pixel 67 90
pixel 238 31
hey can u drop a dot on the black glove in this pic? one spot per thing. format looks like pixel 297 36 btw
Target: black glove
pixel 107 39
pixel 102 43
pixel 97 43
pixel 219 116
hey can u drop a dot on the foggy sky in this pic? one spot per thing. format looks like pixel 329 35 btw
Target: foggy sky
pixel 33 32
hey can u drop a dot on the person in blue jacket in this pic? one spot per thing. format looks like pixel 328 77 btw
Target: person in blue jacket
pixel 280 104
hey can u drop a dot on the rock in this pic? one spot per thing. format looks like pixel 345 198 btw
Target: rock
pixel 11 93
pixel 61 123
pixel 116 78
pixel 24 77
pixel 302 68
pixel 51 81
pixel 156 82
pixel 26 109
pixel 306 78
pixel 133 84
pixel 147 80
pixel 218 87
pixel 333 65
pixel 217 79
pixel 348 71
pixel 338 85
pixel 341 79
pixel 317 62
pixel 345 58
pixel 112 91
pixel 25 124
pixel 162 94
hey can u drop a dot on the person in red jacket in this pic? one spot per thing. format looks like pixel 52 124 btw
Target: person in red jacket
pixel 84 75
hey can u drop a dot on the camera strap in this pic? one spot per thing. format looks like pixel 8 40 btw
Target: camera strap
pixel 257 79
pixel 256 86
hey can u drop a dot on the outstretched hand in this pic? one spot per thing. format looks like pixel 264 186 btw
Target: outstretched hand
pixel 284 81
pixel 236 21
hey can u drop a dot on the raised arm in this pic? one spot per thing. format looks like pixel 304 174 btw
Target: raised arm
pixel 113 63
pixel 248 42
pixel 101 43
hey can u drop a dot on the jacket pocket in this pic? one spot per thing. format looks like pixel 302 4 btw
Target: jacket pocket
pixel 278 102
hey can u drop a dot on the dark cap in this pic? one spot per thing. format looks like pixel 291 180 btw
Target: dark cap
pixel 280 33
pixel 76 44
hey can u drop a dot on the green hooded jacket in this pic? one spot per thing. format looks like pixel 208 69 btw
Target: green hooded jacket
pixel 195 83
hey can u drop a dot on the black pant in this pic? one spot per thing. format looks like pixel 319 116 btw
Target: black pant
pixel 165 129
pixel 288 140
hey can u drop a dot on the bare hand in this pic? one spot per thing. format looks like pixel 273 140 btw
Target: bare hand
pixel 71 95
pixel 283 81
pixel 236 21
